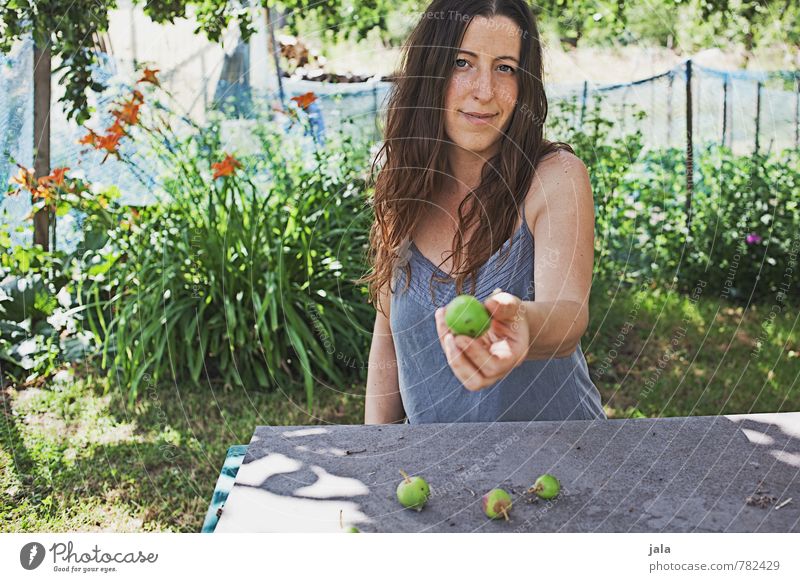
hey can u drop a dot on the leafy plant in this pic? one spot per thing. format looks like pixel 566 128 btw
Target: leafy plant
pixel 242 272
pixel 738 237
pixel 41 327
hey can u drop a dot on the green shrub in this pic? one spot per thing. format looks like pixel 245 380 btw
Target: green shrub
pixel 45 306
pixel 244 278
pixel 744 222
pixel 743 234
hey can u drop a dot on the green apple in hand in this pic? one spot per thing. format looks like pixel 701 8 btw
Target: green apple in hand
pixel 465 315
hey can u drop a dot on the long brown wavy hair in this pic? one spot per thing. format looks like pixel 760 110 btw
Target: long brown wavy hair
pixel 414 150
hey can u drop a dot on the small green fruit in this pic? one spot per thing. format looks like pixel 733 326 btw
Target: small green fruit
pixel 496 504
pixel 412 492
pixel 353 529
pixel 465 315
pixel 546 486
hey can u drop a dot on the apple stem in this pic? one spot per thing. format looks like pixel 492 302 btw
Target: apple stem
pixel 503 511
pixel 405 476
pixel 341 526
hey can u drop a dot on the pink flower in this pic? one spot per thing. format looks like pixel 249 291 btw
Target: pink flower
pixel 753 239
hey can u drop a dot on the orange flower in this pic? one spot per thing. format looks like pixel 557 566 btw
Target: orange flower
pixel 137 96
pixel 58 176
pixel 226 167
pixel 304 100
pixel 45 193
pixel 25 178
pixel 89 139
pixel 54 179
pixel 129 113
pixel 116 129
pixel 149 76
pixel 109 142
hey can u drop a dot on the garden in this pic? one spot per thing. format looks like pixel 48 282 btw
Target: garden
pixel 133 357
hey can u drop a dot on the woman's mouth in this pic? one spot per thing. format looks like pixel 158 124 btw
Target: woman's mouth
pixel 474 120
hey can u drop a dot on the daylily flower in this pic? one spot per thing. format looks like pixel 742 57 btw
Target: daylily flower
pixel 25 178
pixel 109 142
pixel 753 239
pixel 226 167
pixel 149 76
pixel 304 100
pixel 46 194
pixel 55 178
pixel 128 113
pixel 116 129
pixel 89 139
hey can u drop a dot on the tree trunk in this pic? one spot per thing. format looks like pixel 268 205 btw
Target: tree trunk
pixel 268 16
pixel 41 137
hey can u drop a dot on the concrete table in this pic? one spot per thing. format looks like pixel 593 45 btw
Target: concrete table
pixel 705 474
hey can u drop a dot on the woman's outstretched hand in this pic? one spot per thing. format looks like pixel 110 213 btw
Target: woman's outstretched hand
pixel 480 362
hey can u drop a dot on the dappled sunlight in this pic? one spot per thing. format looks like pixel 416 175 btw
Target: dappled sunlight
pixel 328 485
pixel 250 509
pixel 305 432
pixel 758 438
pixel 792 459
pixel 778 431
pixel 257 472
pixel 332 451
pixel 311 499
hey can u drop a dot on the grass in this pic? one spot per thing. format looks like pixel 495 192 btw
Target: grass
pixel 655 353
pixel 73 459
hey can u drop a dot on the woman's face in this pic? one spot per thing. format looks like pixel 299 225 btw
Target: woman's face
pixel 484 81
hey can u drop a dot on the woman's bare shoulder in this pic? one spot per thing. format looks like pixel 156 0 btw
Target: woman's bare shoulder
pixel 556 172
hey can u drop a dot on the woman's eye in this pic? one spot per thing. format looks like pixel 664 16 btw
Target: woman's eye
pixel 460 60
pixel 510 69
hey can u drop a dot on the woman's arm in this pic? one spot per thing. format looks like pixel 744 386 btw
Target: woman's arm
pixel 564 260
pixel 552 325
pixel 383 403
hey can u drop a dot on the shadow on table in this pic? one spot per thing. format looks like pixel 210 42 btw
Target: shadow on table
pixel 775 434
pixel 275 492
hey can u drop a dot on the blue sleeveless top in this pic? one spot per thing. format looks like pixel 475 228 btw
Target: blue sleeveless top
pixel 554 389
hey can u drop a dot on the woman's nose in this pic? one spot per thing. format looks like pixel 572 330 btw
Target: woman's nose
pixel 483 89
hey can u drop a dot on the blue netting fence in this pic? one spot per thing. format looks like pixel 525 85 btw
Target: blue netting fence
pixel 744 110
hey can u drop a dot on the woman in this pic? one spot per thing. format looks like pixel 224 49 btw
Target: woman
pixel 467 184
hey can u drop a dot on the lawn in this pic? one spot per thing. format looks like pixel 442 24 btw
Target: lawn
pixel 656 353
pixel 73 458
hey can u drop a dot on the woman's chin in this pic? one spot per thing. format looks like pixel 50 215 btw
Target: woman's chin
pixel 478 147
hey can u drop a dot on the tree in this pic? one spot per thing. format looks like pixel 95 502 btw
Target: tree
pixel 66 30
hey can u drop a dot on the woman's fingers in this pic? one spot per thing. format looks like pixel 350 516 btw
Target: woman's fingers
pixel 481 352
pixel 462 365
pixel 480 362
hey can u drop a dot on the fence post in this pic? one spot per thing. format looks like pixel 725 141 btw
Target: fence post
pixel 758 114
pixel 273 46
pixel 797 113
pixel 44 219
pixel 669 110
pixel 689 148
pixel 733 117
pixel 698 86
pixel 724 107
pixel 583 99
